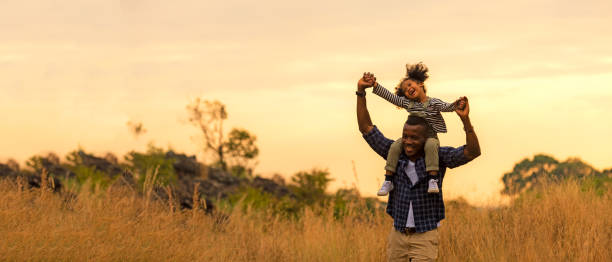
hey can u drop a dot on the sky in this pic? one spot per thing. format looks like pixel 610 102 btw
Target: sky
pixel 537 73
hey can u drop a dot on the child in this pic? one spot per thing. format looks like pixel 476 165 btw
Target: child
pixel 411 95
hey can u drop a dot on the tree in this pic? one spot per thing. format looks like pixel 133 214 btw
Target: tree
pixel 531 173
pixel 240 147
pixel 209 117
pixel 154 164
pixel 310 186
pixel 238 151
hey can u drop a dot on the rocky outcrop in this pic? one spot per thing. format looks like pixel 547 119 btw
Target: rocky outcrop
pixel 210 183
pixel 112 169
pixel 50 164
pixel 31 179
pixel 185 165
pixel 271 186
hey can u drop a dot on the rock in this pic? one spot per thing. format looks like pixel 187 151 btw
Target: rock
pixel 100 164
pixel 270 186
pixel 51 164
pixel 184 165
pixel 6 171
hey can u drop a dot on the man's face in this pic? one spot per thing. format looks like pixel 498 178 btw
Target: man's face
pixel 412 89
pixel 413 139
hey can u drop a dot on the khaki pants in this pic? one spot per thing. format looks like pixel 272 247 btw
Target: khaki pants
pixel 432 145
pixel 414 247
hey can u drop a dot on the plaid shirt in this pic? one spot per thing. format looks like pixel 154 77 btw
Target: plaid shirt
pixel 428 209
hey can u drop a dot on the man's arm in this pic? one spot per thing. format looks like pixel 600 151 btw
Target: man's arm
pixel 375 139
pixel 363 116
pixel 472 147
pixel 454 157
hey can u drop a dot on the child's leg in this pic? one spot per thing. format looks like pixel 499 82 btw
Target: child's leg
pixel 392 158
pixel 432 146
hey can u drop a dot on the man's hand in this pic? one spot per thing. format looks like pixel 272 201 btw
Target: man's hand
pixel 463 108
pixel 366 81
pixel 459 103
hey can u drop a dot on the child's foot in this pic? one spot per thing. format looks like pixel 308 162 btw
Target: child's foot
pixel 385 188
pixel 433 186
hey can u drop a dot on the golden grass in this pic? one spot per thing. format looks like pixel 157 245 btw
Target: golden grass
pixel 561 224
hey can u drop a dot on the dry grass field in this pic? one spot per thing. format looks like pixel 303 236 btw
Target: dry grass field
pixel 561 223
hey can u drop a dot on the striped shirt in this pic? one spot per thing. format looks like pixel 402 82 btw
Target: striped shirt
pixel 430 109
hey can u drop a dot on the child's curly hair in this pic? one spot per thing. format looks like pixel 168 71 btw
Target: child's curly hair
pixel 417 72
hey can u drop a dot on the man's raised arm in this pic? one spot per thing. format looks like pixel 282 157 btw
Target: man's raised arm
pixel 472 147
pixel 363 116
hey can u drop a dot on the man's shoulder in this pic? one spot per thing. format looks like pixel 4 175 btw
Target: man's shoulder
pixel 450 149
pixel 452 156
pixel 378 142
pixel 372 133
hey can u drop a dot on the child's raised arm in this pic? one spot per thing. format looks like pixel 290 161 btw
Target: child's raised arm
pixel 393 98
pixel 442 106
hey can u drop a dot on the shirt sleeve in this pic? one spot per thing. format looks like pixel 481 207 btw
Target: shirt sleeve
pixel 442 106
pixel 393 98
pixel 378 142
pixel 452 157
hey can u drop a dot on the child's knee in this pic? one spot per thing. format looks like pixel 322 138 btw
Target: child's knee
pixel 432 144
pixel 432 141
pixel 396 148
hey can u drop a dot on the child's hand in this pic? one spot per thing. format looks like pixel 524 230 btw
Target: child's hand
pixel 363 82
pixel 371 79
pixel 368 80
pixel 461 102
pixel 463 109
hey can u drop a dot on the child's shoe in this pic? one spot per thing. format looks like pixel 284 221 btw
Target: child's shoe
pixel 385 188
pixel 433 186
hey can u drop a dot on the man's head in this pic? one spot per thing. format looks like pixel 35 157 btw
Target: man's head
pixel 414 135
pixel 412 86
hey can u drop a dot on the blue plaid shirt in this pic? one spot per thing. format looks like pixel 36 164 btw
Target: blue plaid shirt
pixel 428 209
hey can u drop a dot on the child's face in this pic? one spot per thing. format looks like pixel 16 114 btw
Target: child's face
pixel 412 89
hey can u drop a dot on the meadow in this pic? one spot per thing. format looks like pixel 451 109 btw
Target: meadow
pixel 563 222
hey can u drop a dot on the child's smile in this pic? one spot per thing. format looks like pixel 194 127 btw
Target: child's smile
pixel 411 92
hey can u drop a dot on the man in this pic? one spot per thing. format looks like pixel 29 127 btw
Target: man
pixel 416 214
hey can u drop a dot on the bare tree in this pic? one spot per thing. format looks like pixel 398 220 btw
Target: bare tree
pixel 237 151
pixel 208 117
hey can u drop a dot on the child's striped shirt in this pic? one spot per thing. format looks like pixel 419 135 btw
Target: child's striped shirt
pixel 430 109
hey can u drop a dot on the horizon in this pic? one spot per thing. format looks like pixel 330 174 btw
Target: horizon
pixel 537 75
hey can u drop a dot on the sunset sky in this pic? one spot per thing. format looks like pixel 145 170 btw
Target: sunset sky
pixel 538 75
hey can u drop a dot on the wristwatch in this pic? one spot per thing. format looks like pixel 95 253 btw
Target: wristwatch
pixel 360 93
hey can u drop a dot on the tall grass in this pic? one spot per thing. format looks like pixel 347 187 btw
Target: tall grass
pixel 560 223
